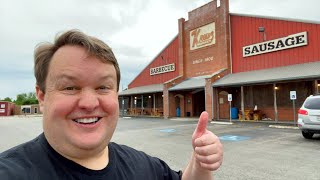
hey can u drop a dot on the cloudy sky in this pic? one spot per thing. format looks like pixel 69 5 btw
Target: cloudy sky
pixel 137 30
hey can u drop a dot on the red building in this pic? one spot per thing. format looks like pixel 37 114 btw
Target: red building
pixel 6 108
pixel 259 61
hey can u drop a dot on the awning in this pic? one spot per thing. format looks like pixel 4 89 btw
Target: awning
pixel 143 90
pixel 191 83
pixel 285 73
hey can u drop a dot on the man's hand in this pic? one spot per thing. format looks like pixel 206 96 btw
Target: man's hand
pixel 208 150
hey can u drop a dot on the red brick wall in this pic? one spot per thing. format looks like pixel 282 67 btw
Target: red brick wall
pixel 218 52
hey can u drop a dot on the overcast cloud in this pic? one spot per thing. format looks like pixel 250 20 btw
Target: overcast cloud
pixel 137 30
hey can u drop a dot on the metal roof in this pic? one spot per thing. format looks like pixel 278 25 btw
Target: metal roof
pixel 143 90
pixel 292 72
pixel 191 83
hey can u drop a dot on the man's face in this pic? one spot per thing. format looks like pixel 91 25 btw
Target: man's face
pixel 80 104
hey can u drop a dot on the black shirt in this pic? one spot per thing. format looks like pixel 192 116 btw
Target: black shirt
pixel 37 160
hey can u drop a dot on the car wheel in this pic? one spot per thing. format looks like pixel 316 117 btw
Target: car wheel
pixel 307 135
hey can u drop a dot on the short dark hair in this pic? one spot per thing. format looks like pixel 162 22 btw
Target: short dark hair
pixel 95 47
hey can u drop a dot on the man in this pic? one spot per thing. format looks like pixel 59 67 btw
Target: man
pixel 77 83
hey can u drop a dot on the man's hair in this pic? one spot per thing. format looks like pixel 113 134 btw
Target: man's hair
pixel 44 52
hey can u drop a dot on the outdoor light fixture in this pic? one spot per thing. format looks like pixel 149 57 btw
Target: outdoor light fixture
pixel 276 88
pixel 149 97
pixel 135 97
pixel 318 85
pixel 262 30
pixel 219 76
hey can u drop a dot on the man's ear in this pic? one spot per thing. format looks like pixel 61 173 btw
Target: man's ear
pixel 40 96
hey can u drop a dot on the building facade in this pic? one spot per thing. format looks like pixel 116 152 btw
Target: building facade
pixel 6 108
pixel 229 64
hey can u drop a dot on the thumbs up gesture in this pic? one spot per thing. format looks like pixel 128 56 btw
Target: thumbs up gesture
pixel 208 150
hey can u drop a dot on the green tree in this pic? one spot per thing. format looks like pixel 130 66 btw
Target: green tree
pixel 26 99
pixel 7 99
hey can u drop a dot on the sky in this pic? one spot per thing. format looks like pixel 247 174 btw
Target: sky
pixel 136 30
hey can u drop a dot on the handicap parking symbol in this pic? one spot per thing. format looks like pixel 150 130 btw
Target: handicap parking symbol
pixel 233 138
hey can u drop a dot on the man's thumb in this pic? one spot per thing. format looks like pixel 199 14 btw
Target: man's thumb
pixel 202 125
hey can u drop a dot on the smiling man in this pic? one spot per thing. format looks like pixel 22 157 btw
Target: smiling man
pixel 77 87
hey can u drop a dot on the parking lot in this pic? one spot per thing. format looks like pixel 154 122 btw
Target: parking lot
pixel 251 150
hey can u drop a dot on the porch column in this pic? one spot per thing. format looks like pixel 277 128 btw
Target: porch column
pixel 242 103
pixel 316 87
pixel 275 102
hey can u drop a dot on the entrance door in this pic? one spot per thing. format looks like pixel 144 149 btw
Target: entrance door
pixel 223 105
pixel 198 103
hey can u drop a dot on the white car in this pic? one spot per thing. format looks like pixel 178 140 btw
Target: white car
pixel 309 116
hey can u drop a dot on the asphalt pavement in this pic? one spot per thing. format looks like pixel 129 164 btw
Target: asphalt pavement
pixel 252 151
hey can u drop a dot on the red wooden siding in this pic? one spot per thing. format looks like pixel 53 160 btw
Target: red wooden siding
pixel 244 32
pixel 170 55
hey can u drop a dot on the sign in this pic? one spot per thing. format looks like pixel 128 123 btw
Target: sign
pixel 229 97
pixel 293 95
pixel 291 41
pixel 3 106
pixel 162 69
pixel 2 110
pixel 203 36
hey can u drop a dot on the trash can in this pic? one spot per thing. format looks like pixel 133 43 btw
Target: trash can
pixel 178 112
pixel 234 113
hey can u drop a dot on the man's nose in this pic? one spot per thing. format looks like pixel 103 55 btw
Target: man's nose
pixel 88 100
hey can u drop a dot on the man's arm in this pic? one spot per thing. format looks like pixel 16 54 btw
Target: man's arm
pixel 207 155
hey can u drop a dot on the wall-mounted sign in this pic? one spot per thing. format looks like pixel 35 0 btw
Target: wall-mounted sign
pixel 293 95
pixel 3 106
pixel 2 110
pixel 162 69
pixel 203 36
pixel 291 41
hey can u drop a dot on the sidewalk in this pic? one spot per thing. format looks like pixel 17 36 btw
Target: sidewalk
pixel 289 124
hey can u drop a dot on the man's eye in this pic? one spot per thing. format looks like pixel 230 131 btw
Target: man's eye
pixel 70 88
pixel 103 87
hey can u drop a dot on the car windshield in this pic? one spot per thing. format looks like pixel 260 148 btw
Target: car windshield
pixel 312 103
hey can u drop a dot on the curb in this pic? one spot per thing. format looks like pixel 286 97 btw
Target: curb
pixel 283 127
pixel 224 123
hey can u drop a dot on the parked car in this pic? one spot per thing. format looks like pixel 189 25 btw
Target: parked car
pixel 309 116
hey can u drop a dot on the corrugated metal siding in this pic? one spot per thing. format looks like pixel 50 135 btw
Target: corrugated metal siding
pixel 244 31
pixel 170 55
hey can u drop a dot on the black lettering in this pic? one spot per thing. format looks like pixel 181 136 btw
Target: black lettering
pixel 289 43
pixel 254 50
pixel 279 44
pixel 166 68
pixel 271 45
pixel 247 50
pixel 263 47
pixel 299 39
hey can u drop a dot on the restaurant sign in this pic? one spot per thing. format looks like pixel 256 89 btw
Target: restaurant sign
pixel 291 41
pixel 202 37
pixel 162 69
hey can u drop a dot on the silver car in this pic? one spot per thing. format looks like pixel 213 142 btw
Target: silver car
pixel 309 116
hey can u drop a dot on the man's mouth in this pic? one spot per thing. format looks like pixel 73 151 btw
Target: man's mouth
pixel 87 120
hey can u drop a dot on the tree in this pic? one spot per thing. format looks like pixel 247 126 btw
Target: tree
pixel 26 99
pixel 7 99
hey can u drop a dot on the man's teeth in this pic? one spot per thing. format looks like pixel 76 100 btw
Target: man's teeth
pixel 86 120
